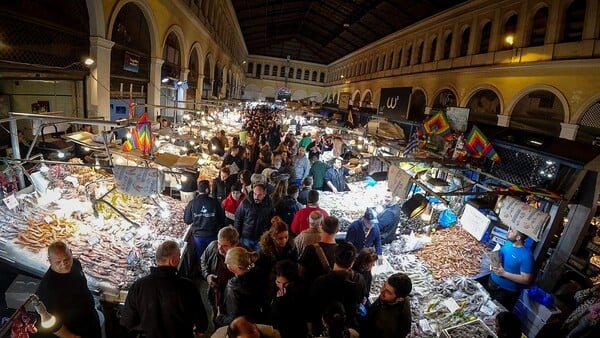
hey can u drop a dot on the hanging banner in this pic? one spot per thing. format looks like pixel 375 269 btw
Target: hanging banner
pixel 344 100
pixel 398 181
pixel 458 118
pixel 394 103
pixel 525 219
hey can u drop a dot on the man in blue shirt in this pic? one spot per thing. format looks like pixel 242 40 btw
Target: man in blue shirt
pixel 515 272
pixel 364 232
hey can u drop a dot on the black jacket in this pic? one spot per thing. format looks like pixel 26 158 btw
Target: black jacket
pixel 221 189
pixel 287 209
pixel 68 298
pixel 164 305
pixel 388 223
pixel 289 312
pixel 252 219
pixel 205 214
pixel 387 321
pixel 244 296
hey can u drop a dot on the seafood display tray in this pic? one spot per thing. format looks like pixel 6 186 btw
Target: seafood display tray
pixel 475 328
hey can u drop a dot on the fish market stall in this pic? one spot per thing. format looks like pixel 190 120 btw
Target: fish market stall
pixel 114 234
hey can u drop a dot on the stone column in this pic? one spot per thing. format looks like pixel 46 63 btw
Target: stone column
pixel 200 87
pixel 154 87
pixel 98 83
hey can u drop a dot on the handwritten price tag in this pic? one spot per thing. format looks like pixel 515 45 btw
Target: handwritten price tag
pixel 11 202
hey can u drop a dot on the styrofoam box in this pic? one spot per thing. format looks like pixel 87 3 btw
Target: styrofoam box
pixel 489 333
pixel 19 290
pixel 545 313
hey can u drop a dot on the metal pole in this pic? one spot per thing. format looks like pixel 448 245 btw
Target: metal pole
pixel 14 138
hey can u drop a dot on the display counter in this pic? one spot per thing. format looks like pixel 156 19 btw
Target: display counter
pixel 114 235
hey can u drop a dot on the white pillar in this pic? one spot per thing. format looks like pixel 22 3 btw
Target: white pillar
pixel 98 83
pixel 154 86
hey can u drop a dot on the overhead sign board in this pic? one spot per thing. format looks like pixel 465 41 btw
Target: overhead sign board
pixel 394 103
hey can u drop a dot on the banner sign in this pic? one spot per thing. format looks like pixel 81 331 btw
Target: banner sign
pixel 398 181
pixel 458 118
pixel 394 103
pixel 522 217
pixel 131 62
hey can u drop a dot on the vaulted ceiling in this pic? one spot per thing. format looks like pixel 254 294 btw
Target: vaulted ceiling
pixel 323 31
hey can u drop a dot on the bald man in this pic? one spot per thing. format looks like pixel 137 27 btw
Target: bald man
pixel 164 304
pixel 64 291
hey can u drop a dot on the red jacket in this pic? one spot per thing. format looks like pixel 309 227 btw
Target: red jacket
pixel 300 222
pixel 230 206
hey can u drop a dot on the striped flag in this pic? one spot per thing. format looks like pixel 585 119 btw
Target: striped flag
pixel 412 145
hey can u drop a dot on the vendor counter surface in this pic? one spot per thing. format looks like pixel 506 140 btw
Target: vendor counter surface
pixel 115 239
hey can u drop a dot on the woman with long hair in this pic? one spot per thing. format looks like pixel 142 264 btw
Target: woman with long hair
pixel 280 191
pixel 288 313
pixel 245 293
pixel 276 245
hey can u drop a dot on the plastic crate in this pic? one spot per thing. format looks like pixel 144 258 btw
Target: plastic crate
pixel 462 330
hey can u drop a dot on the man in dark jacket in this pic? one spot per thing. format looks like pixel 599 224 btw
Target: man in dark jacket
pixel 253 217
pixel 213 267
pixel 163 304
pixel 64 291
pixel 342 285
pixel 388 219
pixel 389 316
pixel 206 216
pixel 364 232
pixel 221 186
pixel 289 205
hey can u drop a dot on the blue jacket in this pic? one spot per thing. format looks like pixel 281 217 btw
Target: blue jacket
pixel 356 236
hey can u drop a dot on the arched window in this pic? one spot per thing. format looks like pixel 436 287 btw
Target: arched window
pixel 274 73
pixel 375 66
pixel 322 77
pixel 408 55
pixel 574 21
pixel 510 29
pixel 390 64
pixel 250 67
pixel 306 74
pixel 258 70
pixel 399 58
pixel 464 42
pixel 267 70
pixel 538 27
pixel 419 53
pixel 447 45
pixel 314 76
pixel 381 65
pixel 282 72
pixel 298 74
pixel 433 49
pixel 484 42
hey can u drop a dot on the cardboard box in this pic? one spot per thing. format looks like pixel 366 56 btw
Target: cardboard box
pixel 19 290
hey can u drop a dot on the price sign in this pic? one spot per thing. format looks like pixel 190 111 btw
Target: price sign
pixel 11 202
pixel 131 258
pixel 94 240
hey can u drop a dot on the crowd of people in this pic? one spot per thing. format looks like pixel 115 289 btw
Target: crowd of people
pixel 269 257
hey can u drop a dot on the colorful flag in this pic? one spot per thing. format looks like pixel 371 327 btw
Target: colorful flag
pixel 142 137
pixel 412 145
pixel 438 124
pixel 145 138
pixel 477 145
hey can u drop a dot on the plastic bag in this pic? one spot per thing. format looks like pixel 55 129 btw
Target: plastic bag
pixel 447 218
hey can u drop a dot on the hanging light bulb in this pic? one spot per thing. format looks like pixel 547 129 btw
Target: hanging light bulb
pixel 48 320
